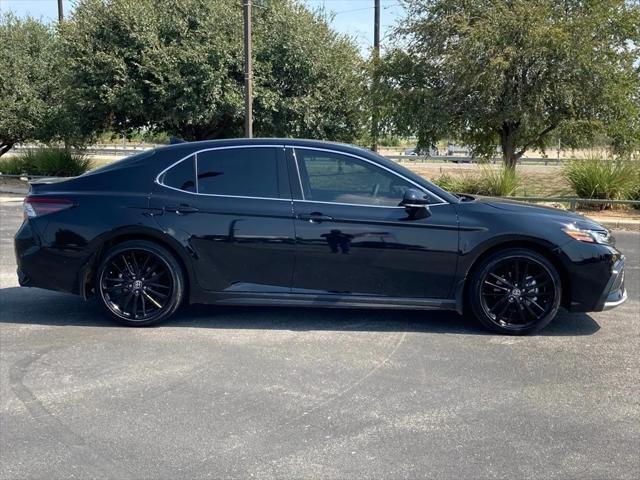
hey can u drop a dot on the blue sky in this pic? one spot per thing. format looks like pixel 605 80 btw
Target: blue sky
pixel 354 17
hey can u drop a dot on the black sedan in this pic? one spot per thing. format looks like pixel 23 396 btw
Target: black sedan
pixel 306 223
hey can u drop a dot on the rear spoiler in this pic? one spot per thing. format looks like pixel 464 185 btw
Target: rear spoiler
pixel 39 183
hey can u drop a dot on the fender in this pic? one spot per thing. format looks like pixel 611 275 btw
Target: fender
pixel 470 254
pixel 129 232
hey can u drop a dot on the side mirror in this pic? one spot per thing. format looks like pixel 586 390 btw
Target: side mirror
pixel 416 203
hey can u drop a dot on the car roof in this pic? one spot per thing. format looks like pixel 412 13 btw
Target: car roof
pixel 205 144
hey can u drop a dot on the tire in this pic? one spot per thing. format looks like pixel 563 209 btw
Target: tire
pixel 139 283
pixel 516 291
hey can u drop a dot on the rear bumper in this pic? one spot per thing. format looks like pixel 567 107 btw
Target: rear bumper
pixel 614 293
pixel 45 267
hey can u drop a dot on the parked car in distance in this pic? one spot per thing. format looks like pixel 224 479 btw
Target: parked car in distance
pixel 306 223
pixel 417 152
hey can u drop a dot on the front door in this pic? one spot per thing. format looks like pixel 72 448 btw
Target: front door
pixel 353 238
pixel 231 207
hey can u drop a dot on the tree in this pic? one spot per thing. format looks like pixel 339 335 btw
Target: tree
pixel 510 72
pixel 177 66
pixel 25 79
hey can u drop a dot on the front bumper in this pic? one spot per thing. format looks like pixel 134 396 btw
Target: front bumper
pixel 614 293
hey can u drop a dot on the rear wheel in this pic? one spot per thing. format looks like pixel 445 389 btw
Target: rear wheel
pixel 515 292
pixel 139 283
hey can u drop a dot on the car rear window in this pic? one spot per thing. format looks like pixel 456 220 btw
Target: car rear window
pixel 247 172
pixel 181 176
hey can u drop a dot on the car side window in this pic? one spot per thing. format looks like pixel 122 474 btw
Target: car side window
pixel 181 176
pixel 332 177
pixel 247 172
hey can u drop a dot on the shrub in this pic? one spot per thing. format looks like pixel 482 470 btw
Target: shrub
pixel 54 162
pixel 446 182
pixel 603 179
pixel 498 183
pixel 12 166
pixel 490 182
pixel 634 193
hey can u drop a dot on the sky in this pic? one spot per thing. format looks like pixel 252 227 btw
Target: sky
pixel 353 17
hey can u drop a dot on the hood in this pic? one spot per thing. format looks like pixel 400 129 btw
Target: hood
pixel 522 208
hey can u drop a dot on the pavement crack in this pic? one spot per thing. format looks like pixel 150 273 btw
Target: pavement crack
pixel 81 451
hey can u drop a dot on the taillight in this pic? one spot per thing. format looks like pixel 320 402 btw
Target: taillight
pixel 38 206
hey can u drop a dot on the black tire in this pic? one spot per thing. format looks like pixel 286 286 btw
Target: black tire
pixel 139 283
pixel 515 291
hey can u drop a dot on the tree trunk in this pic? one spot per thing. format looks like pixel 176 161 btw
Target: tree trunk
pixel 5 147
pixel 509 155
pixel 510 158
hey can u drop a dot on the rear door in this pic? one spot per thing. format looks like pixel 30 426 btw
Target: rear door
pixel 353 238
pixel 231 207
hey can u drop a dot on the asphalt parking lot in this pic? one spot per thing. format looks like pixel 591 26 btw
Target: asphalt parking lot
pixel 302 393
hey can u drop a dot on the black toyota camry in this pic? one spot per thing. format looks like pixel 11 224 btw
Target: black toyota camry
pixel 306 223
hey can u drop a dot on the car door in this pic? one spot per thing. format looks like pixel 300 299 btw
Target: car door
pixel 353 238
pixel 231 207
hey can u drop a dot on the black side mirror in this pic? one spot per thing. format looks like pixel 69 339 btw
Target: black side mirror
pixel 416 203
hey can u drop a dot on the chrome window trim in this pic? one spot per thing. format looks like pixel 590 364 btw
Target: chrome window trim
pixel 420 187
pixel 295 160
pixel 362 205
pixel 227 147
pixel 195 154
pixel 195 169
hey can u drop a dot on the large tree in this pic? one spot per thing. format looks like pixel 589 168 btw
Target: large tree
pixel 510 72
pixel 177 66
pixel 25 79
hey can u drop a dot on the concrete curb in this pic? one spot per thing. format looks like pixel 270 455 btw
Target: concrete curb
pixel 14 190
pixel 617 223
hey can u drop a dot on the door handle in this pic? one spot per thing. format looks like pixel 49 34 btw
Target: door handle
pixel 181 209
pixel 315 217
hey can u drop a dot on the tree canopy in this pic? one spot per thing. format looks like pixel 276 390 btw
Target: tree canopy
pixel 25 79
pixel 177 66
pixel 508 73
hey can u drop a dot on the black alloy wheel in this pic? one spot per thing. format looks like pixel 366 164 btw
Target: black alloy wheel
pixel 139 283
pixel 516 291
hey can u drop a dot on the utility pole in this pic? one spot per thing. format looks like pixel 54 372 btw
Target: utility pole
pixel 60 11
pixel 248 75
pixel 375 79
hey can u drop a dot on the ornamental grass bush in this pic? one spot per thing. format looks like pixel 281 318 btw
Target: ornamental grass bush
pixel 601 179
pixel 490 182
pixel 53 162
pixel 606 179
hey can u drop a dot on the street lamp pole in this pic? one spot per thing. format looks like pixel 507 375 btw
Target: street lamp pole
pixel 60 11
pixel 248 75
pixel 375 79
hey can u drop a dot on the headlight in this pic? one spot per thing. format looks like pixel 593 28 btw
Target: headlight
pixel 589 233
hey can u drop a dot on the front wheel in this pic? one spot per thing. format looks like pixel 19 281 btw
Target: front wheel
pixel 515 292
pixel 139 283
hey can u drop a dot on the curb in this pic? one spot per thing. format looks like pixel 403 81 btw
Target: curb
pixel 617 223
pixel 14 190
